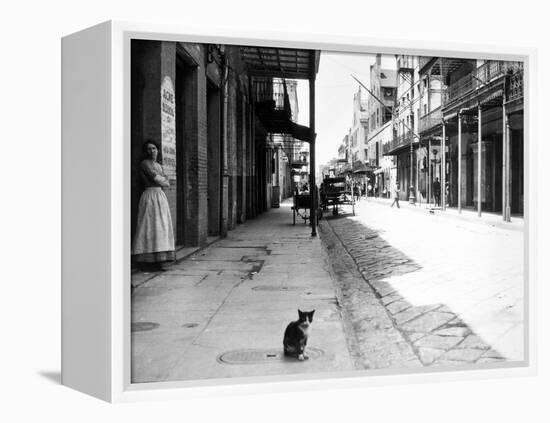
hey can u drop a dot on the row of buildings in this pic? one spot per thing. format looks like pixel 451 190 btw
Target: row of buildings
pixel 459 121
pixel 224 118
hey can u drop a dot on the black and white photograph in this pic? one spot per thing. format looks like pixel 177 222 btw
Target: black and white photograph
pixel 309 212
pixel 268 212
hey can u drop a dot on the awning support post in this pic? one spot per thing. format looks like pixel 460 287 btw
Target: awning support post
pixel 312 181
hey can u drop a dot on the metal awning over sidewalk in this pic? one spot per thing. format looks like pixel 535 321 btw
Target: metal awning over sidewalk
pixel 269 63
pixel 278 62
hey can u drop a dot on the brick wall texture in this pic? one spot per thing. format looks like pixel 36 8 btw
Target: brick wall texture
pixel 240 191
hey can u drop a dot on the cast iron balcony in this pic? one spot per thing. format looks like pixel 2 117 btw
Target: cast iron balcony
pixel 405 62
pixel 430 120
pixel 489 72
pixel 397 143
pixel 515 87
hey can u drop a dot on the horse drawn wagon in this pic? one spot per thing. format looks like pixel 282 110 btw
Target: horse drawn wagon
pixel 337 192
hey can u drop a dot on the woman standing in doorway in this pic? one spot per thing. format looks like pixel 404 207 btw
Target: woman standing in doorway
pixel 154 238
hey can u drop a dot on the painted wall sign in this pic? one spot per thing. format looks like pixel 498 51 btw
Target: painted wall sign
pixel 168 127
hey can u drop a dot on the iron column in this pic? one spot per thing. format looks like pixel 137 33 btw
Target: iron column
pixel 429 173
pixel 312 181
pixel 459 117
pixel 443 194
pixel 508 171
pixel 504 164
pixel 479 160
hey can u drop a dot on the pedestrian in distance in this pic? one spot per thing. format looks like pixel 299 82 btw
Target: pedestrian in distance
pixel 153 242
pixel 396 192
pixel 437 192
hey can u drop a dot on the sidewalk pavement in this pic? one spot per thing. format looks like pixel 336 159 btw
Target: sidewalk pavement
pixel 470 215
pixel 222 312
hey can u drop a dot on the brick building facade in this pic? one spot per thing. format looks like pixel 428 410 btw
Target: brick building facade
pixel 199 103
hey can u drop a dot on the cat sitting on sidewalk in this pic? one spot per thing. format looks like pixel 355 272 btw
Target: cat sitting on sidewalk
pixel 297 334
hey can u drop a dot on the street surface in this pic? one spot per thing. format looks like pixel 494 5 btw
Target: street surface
pixel 452 287
pixel 392 289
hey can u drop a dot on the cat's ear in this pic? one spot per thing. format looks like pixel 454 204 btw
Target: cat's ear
pixel 300 312
pixel 312 311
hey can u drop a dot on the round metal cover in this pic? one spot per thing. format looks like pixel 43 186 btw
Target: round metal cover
pixel 257 356
pixel 144 326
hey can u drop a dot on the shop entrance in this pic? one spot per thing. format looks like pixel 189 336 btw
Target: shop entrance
pixel 213 116
pixel 183 79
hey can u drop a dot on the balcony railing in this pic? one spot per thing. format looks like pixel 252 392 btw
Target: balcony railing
pixel 272 93
pixel 483 75
pixel 490 70
pixel 398 142
pixel 515 88
pixel 430 120
pixel 405 62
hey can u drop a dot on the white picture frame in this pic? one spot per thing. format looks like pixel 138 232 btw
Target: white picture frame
pixel 96 227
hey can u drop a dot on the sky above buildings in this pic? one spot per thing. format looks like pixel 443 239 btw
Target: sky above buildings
pixel 334 97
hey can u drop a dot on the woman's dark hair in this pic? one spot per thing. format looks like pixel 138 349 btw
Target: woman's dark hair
pixel 144 145
pixel 145 154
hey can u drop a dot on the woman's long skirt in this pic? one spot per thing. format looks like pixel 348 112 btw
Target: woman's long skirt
pixel 154 238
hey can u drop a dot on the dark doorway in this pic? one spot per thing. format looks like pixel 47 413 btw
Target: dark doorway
pixel 183 74
pixel 516 164
pixel 214 158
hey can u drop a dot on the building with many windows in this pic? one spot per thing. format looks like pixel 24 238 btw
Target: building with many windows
pixel 359 130
pixel 381 104
pixel 466 121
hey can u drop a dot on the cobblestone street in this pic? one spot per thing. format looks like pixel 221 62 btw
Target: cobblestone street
pixel 421 289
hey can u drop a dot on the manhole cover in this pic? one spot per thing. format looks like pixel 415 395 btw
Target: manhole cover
pixel 275 288
pixel 252 356
pixel 144 326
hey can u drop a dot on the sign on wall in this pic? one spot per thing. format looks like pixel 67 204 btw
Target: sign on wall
pixel 168 127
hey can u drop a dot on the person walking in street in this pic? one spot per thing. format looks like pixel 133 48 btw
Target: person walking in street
pixel 357 192
pixel 153 242
pixel 437 192
pixel 396 191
